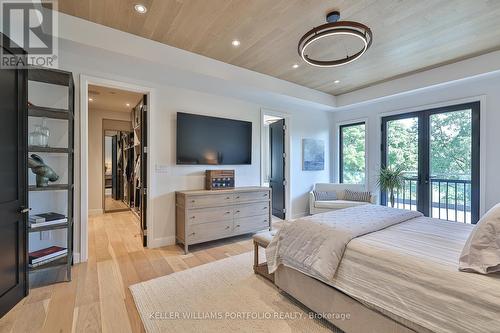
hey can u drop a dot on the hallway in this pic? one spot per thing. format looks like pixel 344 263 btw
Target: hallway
pixel 98 298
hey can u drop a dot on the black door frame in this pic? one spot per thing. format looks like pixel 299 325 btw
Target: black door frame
pixel 424 150
pixel 144 169
pixel 281 186
pixel 341 148
pixel 11 297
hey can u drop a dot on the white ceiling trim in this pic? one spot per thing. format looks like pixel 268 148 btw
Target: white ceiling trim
pixel 216 77
pixel 87 33
pixel 466 69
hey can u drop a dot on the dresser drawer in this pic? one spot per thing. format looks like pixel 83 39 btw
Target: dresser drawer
pixel 251 196
pixel 204 215
pixel 252 209
pixel 250 224
pixel 210 200
pixel 208 231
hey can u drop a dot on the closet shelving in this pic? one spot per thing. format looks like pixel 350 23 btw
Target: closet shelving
pixel 51 79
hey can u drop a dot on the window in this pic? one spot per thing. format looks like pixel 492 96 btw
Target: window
pixel 438 150
pixel 352 153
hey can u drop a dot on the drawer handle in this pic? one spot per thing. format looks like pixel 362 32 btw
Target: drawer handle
pixel 193 201
pixel 265 194
pixel 227 198
pixel 265 207
pixel 237 226
pixel 192 234
pixel 237 197
pixel 236 212
pixel 228 212
pixel 227 227
pixel 193 217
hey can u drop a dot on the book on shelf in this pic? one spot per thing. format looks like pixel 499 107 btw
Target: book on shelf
pixel 46 255
pixel 44 224
pixel 45 217
pixel 46 261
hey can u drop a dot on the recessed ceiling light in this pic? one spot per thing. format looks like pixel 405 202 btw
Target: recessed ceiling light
pixel 295 66
pixel 236 43
pixel 91 99
pixel 336 81
pixel 128 104
pixel 141 9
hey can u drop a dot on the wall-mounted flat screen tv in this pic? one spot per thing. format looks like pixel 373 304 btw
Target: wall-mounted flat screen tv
pixel 213 141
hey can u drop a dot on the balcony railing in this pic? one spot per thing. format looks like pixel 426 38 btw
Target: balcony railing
pixel 450 198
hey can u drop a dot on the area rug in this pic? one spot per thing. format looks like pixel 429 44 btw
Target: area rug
pixel 223 296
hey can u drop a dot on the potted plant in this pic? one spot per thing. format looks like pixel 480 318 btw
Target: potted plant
pixel 391 179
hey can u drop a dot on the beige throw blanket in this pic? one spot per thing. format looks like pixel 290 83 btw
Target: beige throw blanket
pixel 315 245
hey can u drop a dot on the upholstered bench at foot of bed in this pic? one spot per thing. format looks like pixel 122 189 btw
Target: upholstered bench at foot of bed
pixel 262 239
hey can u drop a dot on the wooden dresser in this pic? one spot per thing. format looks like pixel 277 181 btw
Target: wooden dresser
pixel 203 215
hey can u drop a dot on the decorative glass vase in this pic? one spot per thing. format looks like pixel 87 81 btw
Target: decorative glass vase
pixel 45 133
pixel 35 138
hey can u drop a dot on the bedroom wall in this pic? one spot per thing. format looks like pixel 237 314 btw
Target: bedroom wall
pixel 484 88
pixel 168 99
pixel 120 120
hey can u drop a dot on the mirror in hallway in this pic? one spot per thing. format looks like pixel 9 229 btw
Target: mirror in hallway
pixel 118 170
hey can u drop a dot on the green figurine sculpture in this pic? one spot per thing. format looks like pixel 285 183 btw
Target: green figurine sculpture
pixel 43 172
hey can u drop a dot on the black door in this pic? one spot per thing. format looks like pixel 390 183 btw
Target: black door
pixel 277 179
pixel 13 194
pixel 144 168
pixel 114 167
pixel 439 152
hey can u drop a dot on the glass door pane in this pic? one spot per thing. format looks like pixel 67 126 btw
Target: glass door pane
pixel 451 165
pixel 352 153
pixel 402 150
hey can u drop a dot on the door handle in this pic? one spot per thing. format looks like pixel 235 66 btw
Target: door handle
pixel 24 210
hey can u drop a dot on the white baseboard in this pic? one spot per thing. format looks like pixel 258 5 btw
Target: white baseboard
pixel 159 242
pixel 76 257
pixel 299 215
pixel 93 212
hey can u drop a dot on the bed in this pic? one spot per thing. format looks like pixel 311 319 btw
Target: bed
pixel 400 276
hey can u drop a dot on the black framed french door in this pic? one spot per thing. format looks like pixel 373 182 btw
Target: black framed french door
pixel 439 150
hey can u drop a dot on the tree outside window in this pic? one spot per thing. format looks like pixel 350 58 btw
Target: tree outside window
pixel 352 153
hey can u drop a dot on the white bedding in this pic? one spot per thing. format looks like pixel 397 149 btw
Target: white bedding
pixel 315 245
pixel 409 272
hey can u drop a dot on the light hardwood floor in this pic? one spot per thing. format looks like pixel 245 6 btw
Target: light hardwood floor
pixel 111 204
pixel 98 298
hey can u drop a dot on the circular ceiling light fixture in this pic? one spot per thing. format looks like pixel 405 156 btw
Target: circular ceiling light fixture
pixel 141 9
pixel 236 43
pixel 335 28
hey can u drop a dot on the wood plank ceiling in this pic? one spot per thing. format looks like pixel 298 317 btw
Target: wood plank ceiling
pixel 409 35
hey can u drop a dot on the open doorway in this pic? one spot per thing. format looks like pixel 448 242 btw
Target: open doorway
pixel 275 161
pixel 117 165
pixel 117 174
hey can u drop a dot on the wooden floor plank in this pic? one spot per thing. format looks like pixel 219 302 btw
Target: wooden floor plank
pixel 61 306
pixel 32 318
pixel 98 298
pixel 88 318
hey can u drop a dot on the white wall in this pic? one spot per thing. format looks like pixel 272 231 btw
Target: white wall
pixel 95 164
pixel 485 88
pixel 167 99
pixel 108 150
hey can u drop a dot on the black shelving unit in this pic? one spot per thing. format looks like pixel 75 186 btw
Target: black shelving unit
pixel 60 78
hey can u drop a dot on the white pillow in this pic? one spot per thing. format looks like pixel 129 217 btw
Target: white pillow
pixel 481 253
